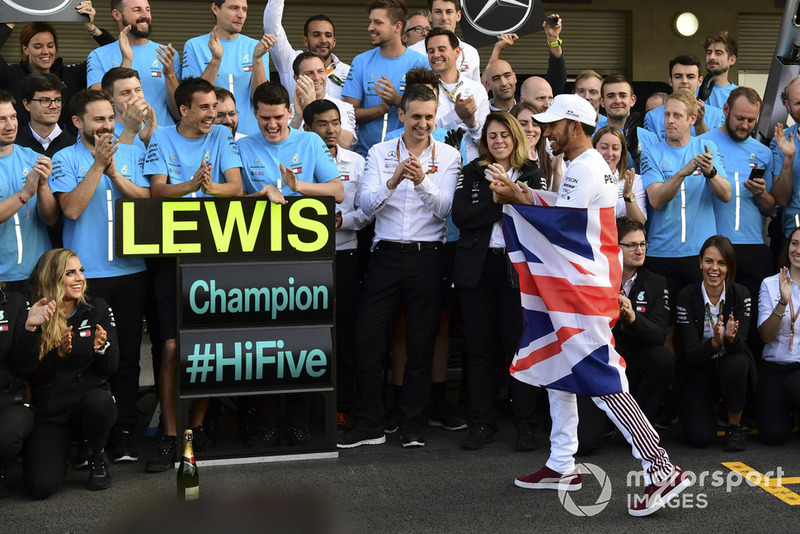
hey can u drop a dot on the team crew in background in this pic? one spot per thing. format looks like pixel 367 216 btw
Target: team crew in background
pixel 208 123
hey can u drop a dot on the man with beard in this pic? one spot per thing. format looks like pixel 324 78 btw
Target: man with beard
pixel 309 73
pixel 27 205
pixel 226 112
pixel 195 158
pixel 376 81
pixel 158 65
pixel 228 59
pixel 318 36
pixel 748 167
pixel 87 179
pixel 322 117
pixel 721 50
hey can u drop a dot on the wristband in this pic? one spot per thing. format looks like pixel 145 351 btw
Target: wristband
pixel 91 32
pixel 555 44
pixel 24 203
pixel 19 196
pixel 782 303
pixel 778 314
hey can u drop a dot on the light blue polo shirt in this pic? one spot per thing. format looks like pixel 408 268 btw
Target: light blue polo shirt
pixel 654 120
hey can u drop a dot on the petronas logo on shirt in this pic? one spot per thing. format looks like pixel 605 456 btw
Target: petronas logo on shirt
pixel 124 169
pixel 207 157
pixel 155 64
pixel 25 171
pixel 641 296
pixel 296 159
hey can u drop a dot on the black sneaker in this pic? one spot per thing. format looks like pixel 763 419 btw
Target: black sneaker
pixel 165 455
pixel 525 440
pixel 298 435
pixel 410 436
pixel 122 447
pixel 261 437
pixel 445 418
pixel 360 435
pixel 391 421
pixel 5 484
pixel 734 439
pixel 479 435
pixel 200 441
pixel 99 477
pixel 82 456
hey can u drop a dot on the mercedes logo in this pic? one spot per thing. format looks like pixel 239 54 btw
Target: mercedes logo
pixel 511 15
pixel 38 12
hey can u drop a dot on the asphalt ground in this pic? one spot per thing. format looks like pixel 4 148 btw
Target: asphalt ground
pixel 438 488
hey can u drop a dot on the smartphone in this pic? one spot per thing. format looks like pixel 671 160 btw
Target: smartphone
pixel 551 20
pixel 757 173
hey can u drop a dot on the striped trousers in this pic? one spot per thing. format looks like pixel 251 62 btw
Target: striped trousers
pixel 623 410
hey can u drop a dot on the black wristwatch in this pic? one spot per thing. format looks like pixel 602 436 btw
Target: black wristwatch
pixel 712 174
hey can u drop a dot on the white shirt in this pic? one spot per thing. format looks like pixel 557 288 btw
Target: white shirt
pixel 448 119
pixel 45 141
pixel 628 285
pixel 588 183
pixel 777 350
pixel 410 212
pixel 347 116
pixel 283 54
pixel 351 173
pixel 468 62
pixel 497 239
pixel 711 315
pixel 637 190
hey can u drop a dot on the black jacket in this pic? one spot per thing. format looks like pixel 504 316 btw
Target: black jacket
pixel 73 76
pixel 691 312
pixel 474 212
pixel 13 340
pixel 25 138
pixel 650 300
pixel 57 383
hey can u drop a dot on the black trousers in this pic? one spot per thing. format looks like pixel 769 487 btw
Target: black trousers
pixel 702 385
pixel 778 397
pixel 753 264
pixel 16 422
pixel 396 280
pixel 126 296
pixel 45 451
pixel 348 292
pixel 649 372
pixel 492 316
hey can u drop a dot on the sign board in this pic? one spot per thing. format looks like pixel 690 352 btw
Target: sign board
pixel 40 10
pixel 483 20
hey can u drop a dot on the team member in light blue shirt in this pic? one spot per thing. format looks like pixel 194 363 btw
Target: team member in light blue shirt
pixel 294 162
pixel 680 175
pixel 158 65
pixel 194 158
pixel 88 177
pixel 785 166
pixel 376 80
pixel 721 50
pixel 27 205
pixel 684 75
pixel 229 59
pixel 134 119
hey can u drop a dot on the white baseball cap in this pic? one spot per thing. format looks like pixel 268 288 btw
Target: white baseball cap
pixel 572 107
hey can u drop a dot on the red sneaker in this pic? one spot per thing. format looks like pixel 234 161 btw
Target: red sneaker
pixel 546 478
pixel 657 496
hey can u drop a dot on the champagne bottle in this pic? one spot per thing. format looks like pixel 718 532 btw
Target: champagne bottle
pixel 188 477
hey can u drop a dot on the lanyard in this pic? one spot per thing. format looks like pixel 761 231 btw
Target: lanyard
pixel 433 168
pixel 711 318
pixel 451 94
pixel 792 318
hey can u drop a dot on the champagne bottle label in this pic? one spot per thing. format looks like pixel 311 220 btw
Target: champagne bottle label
pixel 191 494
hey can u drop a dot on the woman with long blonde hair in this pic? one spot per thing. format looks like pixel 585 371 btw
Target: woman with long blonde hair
pixel 68 376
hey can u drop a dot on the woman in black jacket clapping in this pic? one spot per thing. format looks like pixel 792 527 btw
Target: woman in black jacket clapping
pixel 68 376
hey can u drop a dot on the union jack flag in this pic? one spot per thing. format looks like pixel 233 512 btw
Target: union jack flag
pixel 569 266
